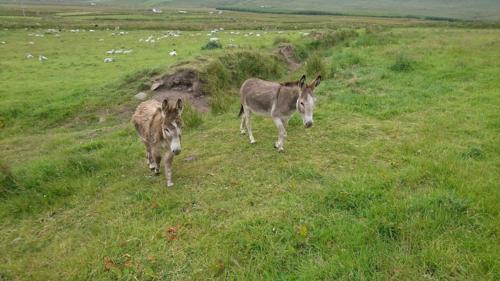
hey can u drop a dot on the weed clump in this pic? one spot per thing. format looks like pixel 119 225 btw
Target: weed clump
pixel 225 74
pixel 402 64
pixel 323 41
pixel 315 66
pixel 191 117
pixel 7 181
pixel 344 60
pixel 474 153
pixel 280 40
pixel 211 45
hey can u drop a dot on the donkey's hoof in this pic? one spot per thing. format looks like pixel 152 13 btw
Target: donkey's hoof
pixel 242 132
pixel 253 141
pixel 170 184
pixel 156 171
pixel 281 149
pixel 276 145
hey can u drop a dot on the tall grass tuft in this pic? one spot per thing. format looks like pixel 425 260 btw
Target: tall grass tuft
pixel 323 41
pixel 191 117
pixel 7 181
pixel 402 64
pixel 212 45
pixel 280 40
pixel 315 66
pixel 223 76
pixel 221 102
pixel 344 60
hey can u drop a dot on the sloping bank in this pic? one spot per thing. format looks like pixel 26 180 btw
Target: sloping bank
pixel 211 84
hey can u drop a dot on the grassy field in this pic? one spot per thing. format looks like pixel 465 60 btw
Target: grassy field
pixel 397 180
pixel 102 17
pixel 483 10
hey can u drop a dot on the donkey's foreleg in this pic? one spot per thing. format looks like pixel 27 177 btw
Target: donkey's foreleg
pixel 248 124
pixel 169 157
pixel 285 120
pixel 281 134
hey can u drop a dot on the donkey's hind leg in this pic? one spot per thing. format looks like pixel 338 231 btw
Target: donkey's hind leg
pixel 242 124
pixel 248 124
pixel 149 157
pixel 155 155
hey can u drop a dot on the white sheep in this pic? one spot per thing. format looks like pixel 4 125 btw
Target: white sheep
pixel 173 53
pixel 42 58
pixel 108 60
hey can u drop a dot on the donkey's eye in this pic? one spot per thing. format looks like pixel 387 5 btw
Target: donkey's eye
pixel 167 130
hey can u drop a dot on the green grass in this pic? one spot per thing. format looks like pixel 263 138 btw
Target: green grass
pixel 398 178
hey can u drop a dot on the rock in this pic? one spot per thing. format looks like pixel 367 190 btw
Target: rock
pixel 190 158
pixel 156 85
pixel 141 96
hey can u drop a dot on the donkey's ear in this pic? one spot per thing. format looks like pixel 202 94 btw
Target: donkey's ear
pixel 164 105
pixel 317 81
pixel 179 106
pixel 302 81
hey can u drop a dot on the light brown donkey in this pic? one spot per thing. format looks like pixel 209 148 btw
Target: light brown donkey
pixel 278 101
pixel 159 126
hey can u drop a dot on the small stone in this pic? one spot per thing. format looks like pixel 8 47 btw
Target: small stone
pixel 141 96
pixel 156 85
pixel 190 158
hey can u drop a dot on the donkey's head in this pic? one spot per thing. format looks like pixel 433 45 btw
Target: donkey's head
pixel 171 125
pixel 305 102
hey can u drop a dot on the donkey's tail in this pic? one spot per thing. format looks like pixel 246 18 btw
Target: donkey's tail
pixel 241 111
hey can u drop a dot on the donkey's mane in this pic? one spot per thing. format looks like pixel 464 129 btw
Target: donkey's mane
pixel 289 83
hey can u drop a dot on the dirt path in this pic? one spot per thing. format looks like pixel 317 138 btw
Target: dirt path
pixel 286 50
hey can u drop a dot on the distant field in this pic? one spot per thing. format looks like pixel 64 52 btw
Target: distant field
pixel 483 10
pixel 397 180
pixel 102 17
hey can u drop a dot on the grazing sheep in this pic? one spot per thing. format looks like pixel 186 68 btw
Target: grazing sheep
pixel 108 60
pixel 42 58
pixel 173 53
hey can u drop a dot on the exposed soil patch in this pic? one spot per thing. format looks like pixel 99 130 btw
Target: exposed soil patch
pixel 286 50
pixel 198 102
pixel 184 84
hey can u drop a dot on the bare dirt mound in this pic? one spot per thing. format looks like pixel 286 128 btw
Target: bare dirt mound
pixel 184 84
pixel 286 50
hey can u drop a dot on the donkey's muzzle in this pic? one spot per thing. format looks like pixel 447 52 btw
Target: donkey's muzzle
pixel 308 124
pixel 176 151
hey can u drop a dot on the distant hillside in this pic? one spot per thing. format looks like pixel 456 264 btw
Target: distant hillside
pixel 460 9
